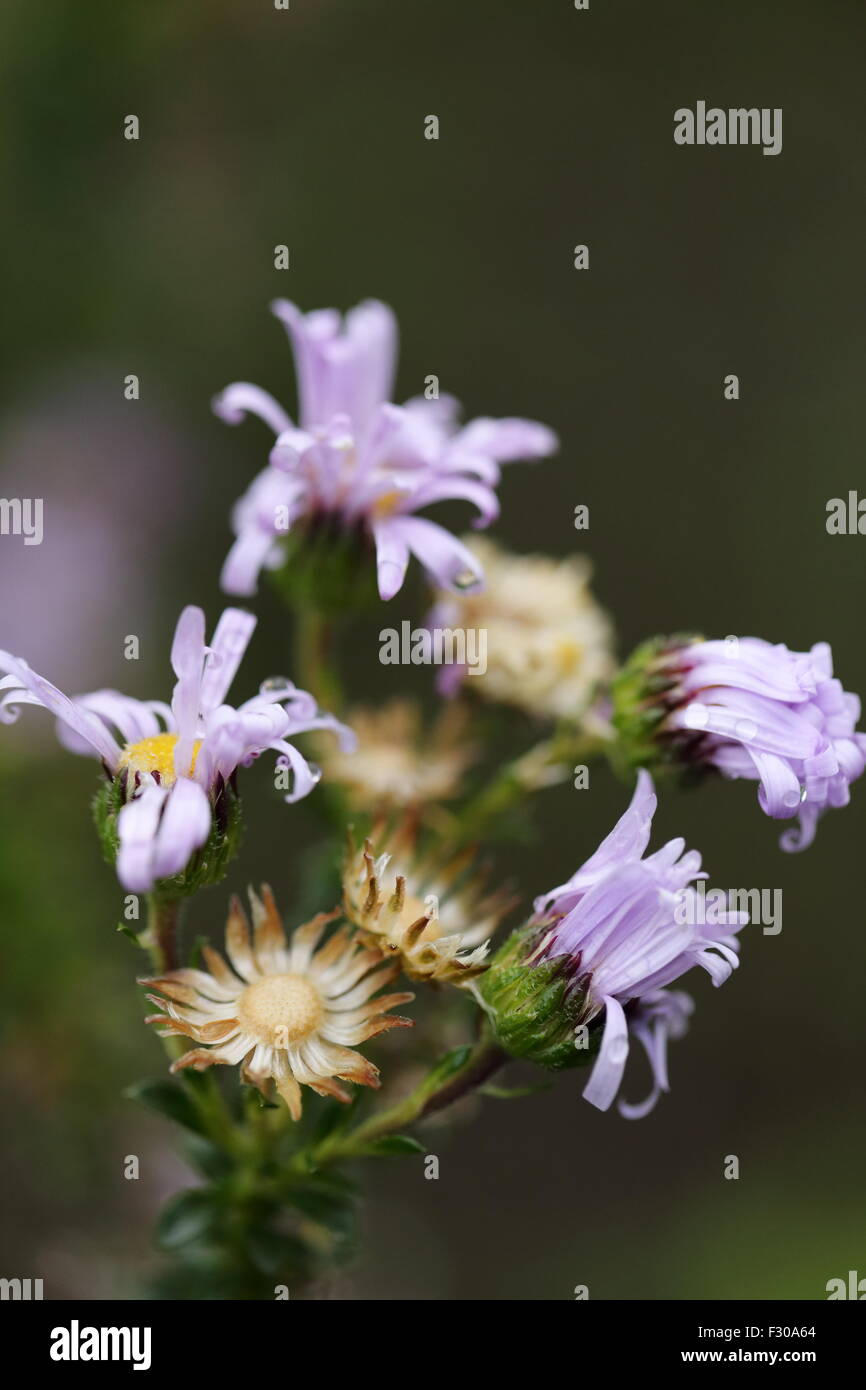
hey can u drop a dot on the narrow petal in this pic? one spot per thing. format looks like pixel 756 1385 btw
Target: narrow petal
pixel 242 398
pixel 88 726
pixel 609 1067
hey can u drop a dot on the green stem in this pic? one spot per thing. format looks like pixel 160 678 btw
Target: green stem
pixel 484 1059
pixel 159 938
pixel 314 659
pixel 532 770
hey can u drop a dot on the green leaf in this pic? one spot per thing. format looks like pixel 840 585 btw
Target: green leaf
pixel 128 933
pixel 168 1099
pixel 275 1252
pixel 446 1067
pixel 394 1144
pixel 513 1092
pixel 207 1157
pixel 187 1217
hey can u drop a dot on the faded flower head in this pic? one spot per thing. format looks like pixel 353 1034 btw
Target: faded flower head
pixel 399 763
pixel 599 954
pixel 172 767
pixel 434 916
pixel 362 465
pixel 289 1011
pixel 549 643
pixel 749 709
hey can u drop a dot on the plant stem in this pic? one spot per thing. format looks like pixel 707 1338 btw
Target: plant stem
pixel 543 765
pixel 160 937
pixel 484 1059
pixel 314 656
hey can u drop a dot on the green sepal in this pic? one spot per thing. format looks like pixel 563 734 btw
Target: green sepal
pixel 639 694
pixel 328 568
pixel 206 867
pixel 535 1009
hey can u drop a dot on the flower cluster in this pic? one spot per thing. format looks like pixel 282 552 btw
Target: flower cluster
pixel 594 965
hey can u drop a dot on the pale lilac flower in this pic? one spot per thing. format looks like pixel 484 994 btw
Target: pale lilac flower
pixel 173 762
pixel 626 926
pixel 357 460
pixel 755 710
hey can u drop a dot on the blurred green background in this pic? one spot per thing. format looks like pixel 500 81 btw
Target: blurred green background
pixel 305 127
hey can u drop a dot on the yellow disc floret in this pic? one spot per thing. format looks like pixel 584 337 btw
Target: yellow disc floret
pixel 155 755
pixel 280 1009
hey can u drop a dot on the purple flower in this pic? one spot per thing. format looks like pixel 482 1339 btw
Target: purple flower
pixel 173 762
pixel 359 460
pixel 749 709
pixel 626 926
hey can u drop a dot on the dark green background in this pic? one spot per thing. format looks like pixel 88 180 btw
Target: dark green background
pixel 260 127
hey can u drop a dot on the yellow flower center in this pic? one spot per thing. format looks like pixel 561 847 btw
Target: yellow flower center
pixel 280 1009
pixel 155 754
pixel 387 503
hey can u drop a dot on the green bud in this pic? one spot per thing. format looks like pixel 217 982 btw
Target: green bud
pixel 643 693
pixel 207 866
pixel 328 568
pixel 535 1008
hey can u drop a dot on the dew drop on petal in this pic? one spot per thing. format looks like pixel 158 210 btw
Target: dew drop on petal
pixel 466 579
pixel 746 729
pixel 696 716
pixel 274 683
pixel 793 799
pixel 315 771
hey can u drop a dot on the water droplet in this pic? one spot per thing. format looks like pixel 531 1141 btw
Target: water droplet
pixel 746 729
pixel 315 771
pixel 793 798
pixel 696 716
pixel 275 683
pixel 466 579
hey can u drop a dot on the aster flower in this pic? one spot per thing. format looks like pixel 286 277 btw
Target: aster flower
pixel 549 644
pixel 432 915
pixel 361 463
pixel 749 709
pixel 292 1011
pixel 172 767
pixel 399 763
pixel 605 945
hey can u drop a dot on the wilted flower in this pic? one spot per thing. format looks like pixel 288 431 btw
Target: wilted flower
pixel 749 709
pixel 399 763
pixel 603 946
pixel 288 1011
pixel 361 463
pixel 433 915
pixel 172 768
pixel 549 644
